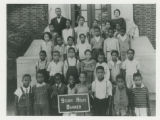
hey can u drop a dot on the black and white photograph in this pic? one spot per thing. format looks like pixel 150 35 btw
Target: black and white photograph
pixel 81 59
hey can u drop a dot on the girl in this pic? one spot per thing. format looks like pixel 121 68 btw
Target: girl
pixel 88 65
pixel 47 45
pixel 81 28
pixel 53 33
pixel 105 31
pixel 94 24
pixel 41 96
pixel 117 30
pixel 71 65
pixel 68 31
pixel 24 97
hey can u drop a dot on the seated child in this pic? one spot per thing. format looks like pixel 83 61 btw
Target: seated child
pixel 97 43
pixel 140 97
pixel 47 45
pixel 101 62
pixel 42 64
pixel 55 66
pixel 60 47
pixel 114 66
pixel 130 66
pixel 120 97
pixel 41 93
pixel 82 47
pixel 71 65
pixel 102 92
pixel 88 65
pixel 68 31
pixel 124 44
pixel 24 97
pixel 110 44
pixel 57 89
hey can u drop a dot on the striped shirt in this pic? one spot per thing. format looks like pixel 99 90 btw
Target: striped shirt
pixel 140 97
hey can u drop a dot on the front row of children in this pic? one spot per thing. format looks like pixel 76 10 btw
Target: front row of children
pixel 105 99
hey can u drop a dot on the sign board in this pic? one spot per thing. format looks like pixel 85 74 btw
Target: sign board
pixel 73 103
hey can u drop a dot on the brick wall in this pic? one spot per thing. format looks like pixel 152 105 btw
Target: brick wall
pixel 145 18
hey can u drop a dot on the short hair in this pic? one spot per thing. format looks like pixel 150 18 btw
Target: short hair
pixel 26 75
pixel 115 51
pixel 81 17
pixel 108 21
pixel 98 28
pixel 58 36
pixel 130 50
pixel 101 53
pixel 70 37
pixel 88 50
pixel 71 48
pixel 100 68
pixel 51 24
pixel 82 34
pixel 118 11
pixel 43 51
pixel 40 72
pixel 59 75
pixel 119 76
pixel 137 74
pixel 58 8
pixel 48 33
pixel 69 21
pixel 56 51
pixel 110 29
pixel 84 73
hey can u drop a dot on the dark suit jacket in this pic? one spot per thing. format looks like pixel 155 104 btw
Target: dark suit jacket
pixel 59 26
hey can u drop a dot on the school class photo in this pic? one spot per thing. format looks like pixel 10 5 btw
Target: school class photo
pixel 81 59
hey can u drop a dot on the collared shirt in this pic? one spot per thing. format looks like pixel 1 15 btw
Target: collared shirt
pixel 58 19
pixel 71 91
pixel 102 89
pixel 97 38
pixel 97 44
pixel 42 64
pixel 54 68
pixel 131 67
pixel 40 85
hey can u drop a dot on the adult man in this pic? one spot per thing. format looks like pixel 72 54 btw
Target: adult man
pixel 59 22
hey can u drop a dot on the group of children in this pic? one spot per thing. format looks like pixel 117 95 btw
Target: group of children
pixel 98 62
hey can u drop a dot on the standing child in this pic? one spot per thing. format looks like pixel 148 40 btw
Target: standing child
pixel 68 31
pixel 53 33
pixel 101 62
pixel 88 65
pixel 41 96
pixel 105 34
pixel 60 47
pixel 24 97
pixel 110 44
pixel 82 47
pixel 124 44
pixel 140 97
pixel 47 45
pixel 102 92
pixel 71 65
pixel 57 89
pixel 117 30
pixel 120 97
pixel 94 24
pixel 130 66
pixel 42 64
pixel 114 66
pixel 97 43
pixel 55 66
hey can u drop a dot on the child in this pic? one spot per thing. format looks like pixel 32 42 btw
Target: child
pixel 41 96
pixel 53 33
pixel 88 65
pixel 120 97
pixel 97 43
pixel 55 66
pixel 82 47
pixel 130 66
pixel 60 47
pixel 124 44
pixel 24 97
pixel 81 28
pixel 71 65
pixel 57 89
pixel 140 97
pixel 47 45
pixel 105 31
pixel 68 31
pixel 94 24
pixel 114 66
pixel 102 63
pixel 70 41
pixel 110 44
pixel 117 30
pixel 102 92
pixel 42 64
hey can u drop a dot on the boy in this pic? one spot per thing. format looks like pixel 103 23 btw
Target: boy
pixel 102 92
pixel 110 44
pixel 140 97
pixel 57 89
pixel 97 43
pixel 83 46
pixel 24 97
pixel 130 66
pixel 55 66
